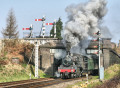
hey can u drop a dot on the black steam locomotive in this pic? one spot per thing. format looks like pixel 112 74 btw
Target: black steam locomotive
pixel 74 65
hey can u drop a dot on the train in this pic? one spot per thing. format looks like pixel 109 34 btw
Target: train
pixel 75 65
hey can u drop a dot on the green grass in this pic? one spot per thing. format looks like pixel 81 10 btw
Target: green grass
pixel 109 73
pixel 112 71
pixel 9 75
pixel 13 76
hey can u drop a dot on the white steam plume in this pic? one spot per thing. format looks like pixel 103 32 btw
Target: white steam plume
pixel 83 21
pixel 59 53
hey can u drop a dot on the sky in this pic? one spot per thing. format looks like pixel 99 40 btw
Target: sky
pixel 26 11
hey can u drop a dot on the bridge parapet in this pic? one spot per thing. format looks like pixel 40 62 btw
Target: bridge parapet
pixel 41 41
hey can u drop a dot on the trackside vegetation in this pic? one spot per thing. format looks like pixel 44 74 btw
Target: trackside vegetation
pixel 22 70
pixel 111 73
pixel 15 72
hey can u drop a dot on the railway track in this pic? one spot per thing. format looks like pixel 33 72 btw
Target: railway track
pixel 23 82
pixel 36 83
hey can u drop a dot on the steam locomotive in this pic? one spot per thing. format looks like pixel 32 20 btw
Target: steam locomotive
pixel 75 65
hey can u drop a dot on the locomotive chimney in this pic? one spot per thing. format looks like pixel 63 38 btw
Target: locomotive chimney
pixel 68 47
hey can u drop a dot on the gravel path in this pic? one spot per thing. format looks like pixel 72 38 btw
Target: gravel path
pixel 63 85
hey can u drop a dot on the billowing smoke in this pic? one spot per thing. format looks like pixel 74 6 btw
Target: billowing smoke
pixel 59 53
pixel 83 21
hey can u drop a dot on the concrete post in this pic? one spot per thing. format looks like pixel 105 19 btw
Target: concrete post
pixel 99 52
pixel 36 59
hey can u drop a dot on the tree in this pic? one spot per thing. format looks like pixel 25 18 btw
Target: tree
pixel 11 29
pixel 59 28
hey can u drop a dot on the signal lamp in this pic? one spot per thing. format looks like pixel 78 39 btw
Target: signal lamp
pixel 96 39
pixel 96 52
pixel 95 46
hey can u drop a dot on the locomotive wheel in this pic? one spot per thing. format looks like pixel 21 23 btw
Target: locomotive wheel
pixel 62 76
pixel 78 75
pixel 72 75
pixel 81 74
pixel 75 76
pixel 69 76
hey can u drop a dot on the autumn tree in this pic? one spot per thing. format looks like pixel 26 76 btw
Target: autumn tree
pixel 11 27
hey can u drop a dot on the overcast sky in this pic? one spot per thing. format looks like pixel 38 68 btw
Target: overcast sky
pixel 26 11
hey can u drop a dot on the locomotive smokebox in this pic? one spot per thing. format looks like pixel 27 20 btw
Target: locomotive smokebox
pixel 68 47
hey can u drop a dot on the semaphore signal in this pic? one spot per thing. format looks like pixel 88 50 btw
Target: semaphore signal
pixel 43 26
pixel 38 19
pixel 54 24
pixel 49 23
pixel 97 33
pixel 26 28
pixel 37 44
pixel 98 46
pixel 30 28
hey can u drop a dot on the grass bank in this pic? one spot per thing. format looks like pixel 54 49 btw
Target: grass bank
pixel 16 72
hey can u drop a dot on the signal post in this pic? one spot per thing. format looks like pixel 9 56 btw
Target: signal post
pixel 36 59
pixel 101 68
pixel 30 29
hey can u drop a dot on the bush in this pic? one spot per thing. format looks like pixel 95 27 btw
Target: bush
pixel 3 62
